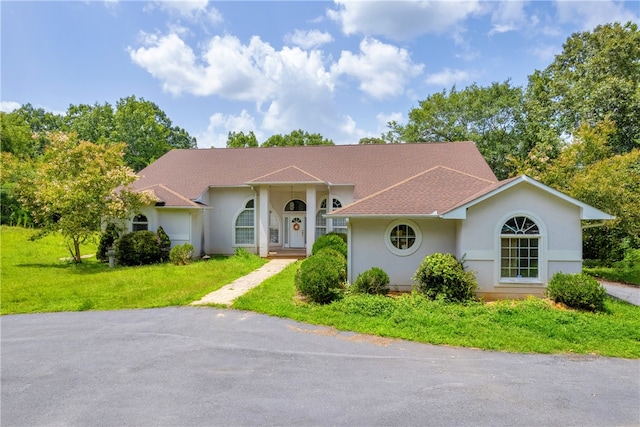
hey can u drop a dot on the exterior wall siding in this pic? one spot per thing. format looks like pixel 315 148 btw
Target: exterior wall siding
pixel 479 241
pixel 368 248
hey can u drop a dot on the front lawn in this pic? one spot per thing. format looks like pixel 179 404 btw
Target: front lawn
pixel 532 325
pixel 35 279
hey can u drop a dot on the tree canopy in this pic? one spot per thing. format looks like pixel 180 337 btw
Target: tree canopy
pixel 596 76
pixel 296 138
pixel 75 185
pixel 241 140
pixel 489 116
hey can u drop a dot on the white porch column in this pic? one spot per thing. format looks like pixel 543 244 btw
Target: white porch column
pixel 311 217
pixel 263 222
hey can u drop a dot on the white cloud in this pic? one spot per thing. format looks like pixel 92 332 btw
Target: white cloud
pixel 193 10
pixel 448 77
pixel 590 14
pixel 545 53
pixel 382 69
pixel 383 119
pixel 402 19
pixel 508 16
pixel 308 39
pixel 9 106
pixel 220 125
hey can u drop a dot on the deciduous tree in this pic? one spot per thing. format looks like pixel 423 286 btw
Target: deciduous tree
pixel 596 76
pixel 76 185
pixel 241 140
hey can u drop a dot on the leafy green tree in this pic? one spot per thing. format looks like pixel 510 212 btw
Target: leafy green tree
pixel 489 116
pixel 76 185
pixel 297 138
pixel 92 123
pixel 15 135
pixel 370 141
pixel 147 132
pixel 241 140
pixel 597 76
pixel 41 123
pixel 13 170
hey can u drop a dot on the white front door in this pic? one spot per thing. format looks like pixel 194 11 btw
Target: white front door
pixel 296 231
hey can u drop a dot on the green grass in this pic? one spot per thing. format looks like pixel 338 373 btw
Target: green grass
pixel 34 279
pixel 531 326
pixel 629 276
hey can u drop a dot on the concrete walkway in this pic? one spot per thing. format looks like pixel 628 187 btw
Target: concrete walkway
pixel 233 290
pixel 627 293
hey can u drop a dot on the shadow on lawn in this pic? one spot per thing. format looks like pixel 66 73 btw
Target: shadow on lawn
pixel 83 268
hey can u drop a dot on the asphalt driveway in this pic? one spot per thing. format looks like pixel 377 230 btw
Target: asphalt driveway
pixel 203 366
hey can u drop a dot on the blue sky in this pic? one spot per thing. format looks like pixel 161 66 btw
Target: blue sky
pixel 342 69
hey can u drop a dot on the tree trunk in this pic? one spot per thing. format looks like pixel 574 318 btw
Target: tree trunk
pixel 76 247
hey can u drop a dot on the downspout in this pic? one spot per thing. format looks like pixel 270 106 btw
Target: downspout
pixel 600 223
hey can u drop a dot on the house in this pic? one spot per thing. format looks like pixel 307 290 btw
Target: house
pixel 397 203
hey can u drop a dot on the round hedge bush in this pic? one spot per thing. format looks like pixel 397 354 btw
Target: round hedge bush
pixel 577 291
pixel 373 281
pixel 138 248
pixel 443 276
pixel 332 241
pixel 321 278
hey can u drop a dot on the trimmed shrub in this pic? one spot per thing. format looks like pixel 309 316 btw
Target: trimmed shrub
pixel 443 276
pixel 577 291
pixel 321 278
pixel 165 244
pixel 343 236
pixel 373 281
pixel 329 251
pixel 138 248
pixel 107 239
pixel 331 240
pixel 181 254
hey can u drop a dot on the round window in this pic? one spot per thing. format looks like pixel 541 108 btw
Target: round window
pixel 403 237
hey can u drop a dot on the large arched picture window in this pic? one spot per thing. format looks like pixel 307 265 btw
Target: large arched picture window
pixel 245 225
pixel 139 223
pixel 520 248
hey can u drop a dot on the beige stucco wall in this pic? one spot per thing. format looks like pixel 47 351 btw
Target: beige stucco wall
pixel 479 241
pixel 368 248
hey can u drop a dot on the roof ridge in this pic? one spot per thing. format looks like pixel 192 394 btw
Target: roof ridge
pixel 170 190
pixel 285 168
pixel 404 181
pixel 467 174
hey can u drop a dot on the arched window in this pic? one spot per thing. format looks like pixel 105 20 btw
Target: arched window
pixel 519 248
pixel 139 223
pixel 339 225
pixel 245 225
pixel 295 205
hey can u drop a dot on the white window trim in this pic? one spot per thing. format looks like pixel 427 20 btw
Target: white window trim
pixel 542 251
pixel 403 252
pixel 235 219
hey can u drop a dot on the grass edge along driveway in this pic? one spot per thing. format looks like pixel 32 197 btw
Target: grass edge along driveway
pixel 528 326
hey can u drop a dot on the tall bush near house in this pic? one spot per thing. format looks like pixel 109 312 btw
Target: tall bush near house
pixel 577 291
pixel 165 244
pixel 443 276
pixel 181 254
pixel 321 278
pixel 333 241
pixel 138 248
pixel 107 240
